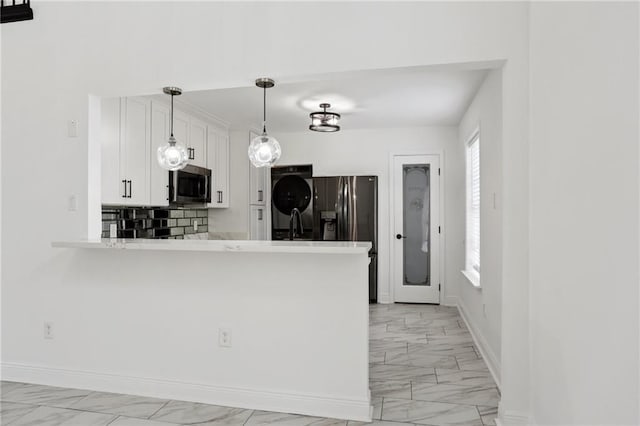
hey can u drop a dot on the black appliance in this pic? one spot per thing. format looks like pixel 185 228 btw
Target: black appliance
pixel 346 209
pixel 292 202
pixel 191 185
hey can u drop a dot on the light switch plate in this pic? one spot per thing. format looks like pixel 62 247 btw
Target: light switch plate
pixel 72 128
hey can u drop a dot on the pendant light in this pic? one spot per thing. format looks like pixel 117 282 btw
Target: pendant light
pixel 264 150
pixel 323 121
pixel 172 156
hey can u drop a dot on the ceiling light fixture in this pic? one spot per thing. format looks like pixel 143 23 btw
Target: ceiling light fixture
pixel 172 156
pixel 264 150
pixel 323 121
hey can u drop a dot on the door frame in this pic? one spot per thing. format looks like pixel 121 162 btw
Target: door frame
pixel 391 224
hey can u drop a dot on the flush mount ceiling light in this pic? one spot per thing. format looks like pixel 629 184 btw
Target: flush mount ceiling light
pixel 323 121
pixel 264 150
pixel 172 156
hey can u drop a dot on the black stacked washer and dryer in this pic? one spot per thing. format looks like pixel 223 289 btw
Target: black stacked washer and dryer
pixel 292 188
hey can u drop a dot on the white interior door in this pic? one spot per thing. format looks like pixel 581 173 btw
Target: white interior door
pixel 416 228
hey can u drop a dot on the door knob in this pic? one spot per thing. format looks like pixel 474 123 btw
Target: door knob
pixel 400 236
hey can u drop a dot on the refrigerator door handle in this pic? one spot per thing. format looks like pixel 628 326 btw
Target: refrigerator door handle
pixel 340 210
pixel 345 210
pixel 352 214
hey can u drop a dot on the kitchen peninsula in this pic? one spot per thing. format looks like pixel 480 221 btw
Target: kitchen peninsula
pixel 270 325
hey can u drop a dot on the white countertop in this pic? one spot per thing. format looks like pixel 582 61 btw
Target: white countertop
pixel 244 246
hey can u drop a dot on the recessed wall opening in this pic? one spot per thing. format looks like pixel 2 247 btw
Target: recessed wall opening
pixel 386 113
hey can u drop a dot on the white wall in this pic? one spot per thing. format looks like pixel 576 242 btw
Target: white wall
pixel 584 213
pixel 51 64
pixel 367 152
pixel 153 330
pixel 483 307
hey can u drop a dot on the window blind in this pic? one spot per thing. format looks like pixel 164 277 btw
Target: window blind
pixel 473 207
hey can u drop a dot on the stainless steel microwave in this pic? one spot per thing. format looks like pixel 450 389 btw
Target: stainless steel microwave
pixel 191 185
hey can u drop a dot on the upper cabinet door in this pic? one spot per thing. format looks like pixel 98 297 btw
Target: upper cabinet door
pixel 258 187
pixel 135 144
pixel 112 185
pixel 197 143
pixel 222 168
pixel 257 181
pixel 160 132
pixel 218 162
pixel 181 127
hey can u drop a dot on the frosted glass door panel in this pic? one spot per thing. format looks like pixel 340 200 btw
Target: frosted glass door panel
pixel 415 227
pixel 416 222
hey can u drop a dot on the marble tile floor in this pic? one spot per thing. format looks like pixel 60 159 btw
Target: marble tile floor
pixel 424 370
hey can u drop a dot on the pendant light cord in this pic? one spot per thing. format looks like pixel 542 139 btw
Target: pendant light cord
pixel 264 110
pixel 172 115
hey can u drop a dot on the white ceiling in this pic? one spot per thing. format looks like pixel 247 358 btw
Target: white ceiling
pixel 403 97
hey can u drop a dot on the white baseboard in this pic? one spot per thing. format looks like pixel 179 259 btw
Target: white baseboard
pixel 384 298
pixel 450 301
pixel 313 405
pixel 485 350
pixel 512 418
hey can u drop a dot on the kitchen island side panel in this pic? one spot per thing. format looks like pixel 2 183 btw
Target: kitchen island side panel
pixel 299 326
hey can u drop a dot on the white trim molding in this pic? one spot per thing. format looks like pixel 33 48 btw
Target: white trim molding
pixel 485 350
pixel 449 301
pixel 512 418
pixel 440 154
pixel 473 280
pixel 258 399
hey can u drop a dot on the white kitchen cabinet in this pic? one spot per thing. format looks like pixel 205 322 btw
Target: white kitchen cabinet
pixel 258 223
pixel 258 182
pixel 160 132
pixel 218 162
pixel 126 174
pixel 181 127
pixel 259 200
pixel 112 187
pixel 132 130
pixel 258 185
pixel 197 145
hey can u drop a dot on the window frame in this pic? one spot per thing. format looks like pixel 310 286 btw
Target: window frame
pixel 472 271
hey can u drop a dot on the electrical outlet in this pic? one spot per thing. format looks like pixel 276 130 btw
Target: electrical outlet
pixel 72 203
pixel 48 330
pixel 224 337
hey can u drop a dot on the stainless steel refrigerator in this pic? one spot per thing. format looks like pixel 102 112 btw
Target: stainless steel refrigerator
pixel 346 209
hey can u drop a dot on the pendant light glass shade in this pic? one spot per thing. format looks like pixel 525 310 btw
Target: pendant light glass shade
pixel 323 121
pixel 264 150
pixel 172 156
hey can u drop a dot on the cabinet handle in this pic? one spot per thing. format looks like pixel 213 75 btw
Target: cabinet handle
pixel 219 196
pixel 260 214
pixel 167 192
pixel 192 153
pixel 130 189
pixel 260 195
pixel 125 188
